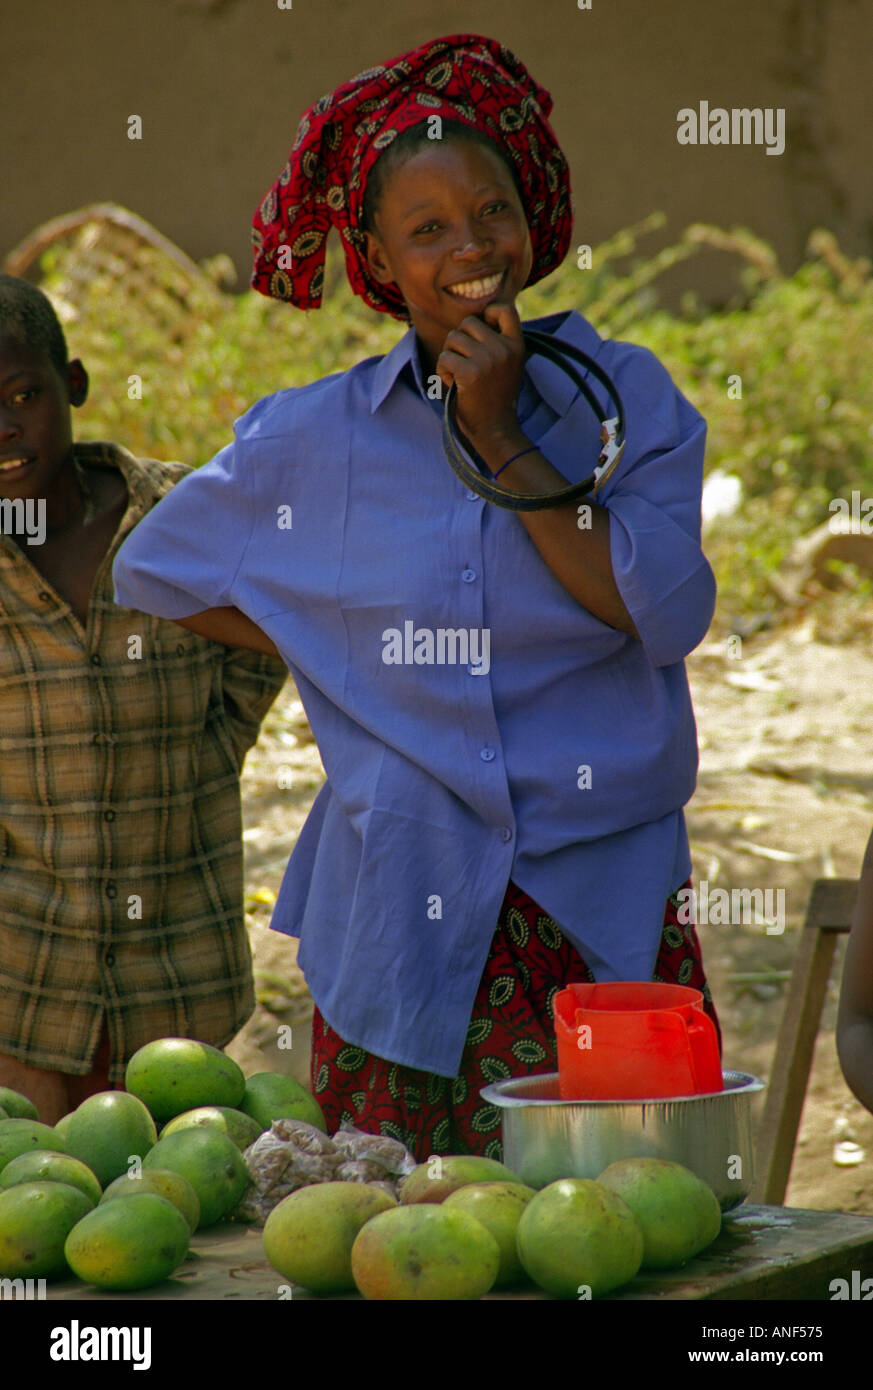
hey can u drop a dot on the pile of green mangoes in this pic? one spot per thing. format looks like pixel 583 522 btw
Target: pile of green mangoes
pixel 466 1225
pixel 59 1184
pixel 462 1227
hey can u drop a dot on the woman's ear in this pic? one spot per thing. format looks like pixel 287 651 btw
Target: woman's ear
pixel 378 261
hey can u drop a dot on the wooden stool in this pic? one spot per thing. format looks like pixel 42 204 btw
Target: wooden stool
pixel 829 912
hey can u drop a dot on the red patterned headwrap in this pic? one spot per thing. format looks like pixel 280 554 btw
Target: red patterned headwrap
pixel 464 78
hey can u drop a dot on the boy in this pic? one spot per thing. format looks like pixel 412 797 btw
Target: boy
pixel 122 737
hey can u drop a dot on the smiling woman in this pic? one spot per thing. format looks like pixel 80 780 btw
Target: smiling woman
pixel 477 845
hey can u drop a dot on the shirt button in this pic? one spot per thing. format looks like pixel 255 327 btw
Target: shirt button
pixel 112 889
pixel 468 576
pixel 180 650
pixel 505 833
pixel 109 815
pixel 95 659
pixel 487 755
pixel 45 596
pixel 109 958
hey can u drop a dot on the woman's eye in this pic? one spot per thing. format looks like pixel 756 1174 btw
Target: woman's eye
pixel 427 227
pixel 21 396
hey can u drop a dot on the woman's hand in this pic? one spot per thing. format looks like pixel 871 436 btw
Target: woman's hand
pixel 486 363
pixel 485 360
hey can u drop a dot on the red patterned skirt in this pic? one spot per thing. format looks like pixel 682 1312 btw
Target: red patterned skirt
pixel 511 1034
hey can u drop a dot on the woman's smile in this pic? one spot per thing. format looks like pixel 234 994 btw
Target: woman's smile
pixel 484 287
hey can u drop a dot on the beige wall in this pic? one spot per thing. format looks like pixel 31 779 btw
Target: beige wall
pixel 220 84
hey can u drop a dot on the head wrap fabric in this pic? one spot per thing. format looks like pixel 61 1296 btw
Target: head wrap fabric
pixel 464 78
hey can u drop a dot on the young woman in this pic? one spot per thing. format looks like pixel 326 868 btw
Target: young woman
pixel 499 698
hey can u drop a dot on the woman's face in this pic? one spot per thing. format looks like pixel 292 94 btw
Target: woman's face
pixel 451 233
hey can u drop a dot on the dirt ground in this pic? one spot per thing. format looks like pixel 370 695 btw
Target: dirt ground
pixel 784 796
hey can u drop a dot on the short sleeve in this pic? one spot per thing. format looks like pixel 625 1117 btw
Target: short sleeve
pixel 251 682
pixel 183 556
pixel 653 500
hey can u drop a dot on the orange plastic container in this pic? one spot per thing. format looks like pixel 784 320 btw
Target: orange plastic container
pixel 635 1041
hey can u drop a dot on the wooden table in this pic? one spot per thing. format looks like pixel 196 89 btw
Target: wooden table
pixel 762 1253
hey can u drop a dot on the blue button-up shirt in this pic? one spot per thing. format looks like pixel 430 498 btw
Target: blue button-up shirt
pixel 474 721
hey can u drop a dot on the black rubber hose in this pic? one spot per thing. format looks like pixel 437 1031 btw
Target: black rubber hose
pixel 480 479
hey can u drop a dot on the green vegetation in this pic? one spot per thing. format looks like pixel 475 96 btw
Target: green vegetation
pixel 799 435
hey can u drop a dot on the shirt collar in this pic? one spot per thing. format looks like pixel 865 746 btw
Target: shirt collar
pixel 147 481
pixel 392 364
pixel 553 386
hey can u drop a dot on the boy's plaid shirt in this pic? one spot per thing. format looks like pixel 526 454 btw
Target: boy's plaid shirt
pixel 121 868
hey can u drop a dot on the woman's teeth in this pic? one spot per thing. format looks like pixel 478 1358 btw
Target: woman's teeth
pixel 476 289
pixel 12 463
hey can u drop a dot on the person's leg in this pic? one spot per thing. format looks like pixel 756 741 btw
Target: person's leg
pixel 46 1089
pixel 378 1096
pixel 680 961
pixel 55 1093
pixel 512 1031
pixel 79 1088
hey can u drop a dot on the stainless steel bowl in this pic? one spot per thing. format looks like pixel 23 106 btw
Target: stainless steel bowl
pixel 546 1138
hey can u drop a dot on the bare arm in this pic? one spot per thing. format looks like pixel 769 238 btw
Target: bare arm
pixel 230 626
pixel 855 1017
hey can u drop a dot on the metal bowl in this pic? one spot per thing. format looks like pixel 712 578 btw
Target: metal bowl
pixel 546 1138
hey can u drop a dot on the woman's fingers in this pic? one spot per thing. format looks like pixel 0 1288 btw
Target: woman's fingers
pixel 504 319
pixel 500 340
pixel 474 342
pixel 484 361
pixel 475 328
pixel 467 337
pixel 454 366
